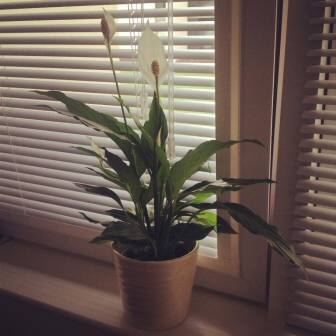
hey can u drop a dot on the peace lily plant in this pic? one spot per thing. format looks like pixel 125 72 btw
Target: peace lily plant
pixel 165 215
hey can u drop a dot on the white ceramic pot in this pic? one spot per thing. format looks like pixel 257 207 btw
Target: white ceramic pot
pixel 155 294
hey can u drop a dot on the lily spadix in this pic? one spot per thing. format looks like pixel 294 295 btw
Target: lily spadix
pixel 150 49
pixel 108 27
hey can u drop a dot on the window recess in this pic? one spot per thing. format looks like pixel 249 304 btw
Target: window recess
pixel 57 45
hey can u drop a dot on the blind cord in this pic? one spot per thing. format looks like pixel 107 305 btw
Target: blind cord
pixel 171 136
pixel 140 92
pixel 12 147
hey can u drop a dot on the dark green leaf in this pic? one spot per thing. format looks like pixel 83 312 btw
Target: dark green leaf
pixel 87 151
pixel 103 223
pixel 181 213
pixel 256 225
pixel 193 188
pixel 230 184
pixel 116 130
pixel 125 233
pixel 103 191
pixel 190 231
pixel 160 152
pixel 192 161
pixel 211 218
pixel 157 121
pixel 124 216
pixel 81 110
pixel 125 173
pixel 224 227
pixel 109 176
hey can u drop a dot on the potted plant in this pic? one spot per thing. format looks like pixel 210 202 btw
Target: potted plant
pixel 155 242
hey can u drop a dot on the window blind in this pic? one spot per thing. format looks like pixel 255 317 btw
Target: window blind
pixel 58 45
pixel 313 304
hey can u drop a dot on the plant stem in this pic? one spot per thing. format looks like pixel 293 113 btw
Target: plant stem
pixel 157 223
pixel 121 105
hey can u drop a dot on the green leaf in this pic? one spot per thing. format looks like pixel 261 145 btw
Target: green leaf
pixel 125 233
pixel 181 213
pixel 109 176
pixel 230 184
pixel 147 194
pixel 103 191
pixel 188 191
pixel 81 110
pixel 210 218
pixel 256 225
pixel 224 227
pixel 114 129
pixel 103 223
pixel 87 151
pixel 200 197
pixel 126 174
pixel 157 121
pixel 160 153
pixel 189 231
pixel 124 216
pixel 194 159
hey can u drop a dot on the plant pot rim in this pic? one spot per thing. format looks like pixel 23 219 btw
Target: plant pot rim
pixel 151 262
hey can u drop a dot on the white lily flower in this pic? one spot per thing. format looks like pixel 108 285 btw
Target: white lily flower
pixel 108 27
pixel 150 49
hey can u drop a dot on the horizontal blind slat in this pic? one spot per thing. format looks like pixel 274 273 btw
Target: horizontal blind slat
pixel 89 27
pixel 326 100
pixel 318 158
pixel 97 14
pixel 315 251
pixel 312 288
pixel 321 278
pixel 17 109
pixel 8 4
pixel 193 68
pixel 99 40
pixel 322 52
pixel 318 264
pixel 319 129
pixel 315 225
pixel 312 324
pixel 195 106
pixel 325 3
pixel 314 301
pixel 102 88
pixel 319 114
pixel 315 238
pixel 98 53
pixel 315 212
pixel 311 312
pixel 324 84
pixel 318 143
pixel 322 36
pixel 98 76
pixel 321 69
pixel 317 185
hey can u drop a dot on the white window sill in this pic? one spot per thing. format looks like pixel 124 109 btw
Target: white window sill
pixel 86 290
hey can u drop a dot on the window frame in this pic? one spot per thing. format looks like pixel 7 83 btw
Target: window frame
pixel 241 268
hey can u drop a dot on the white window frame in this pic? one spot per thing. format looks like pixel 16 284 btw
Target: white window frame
pixel 244 93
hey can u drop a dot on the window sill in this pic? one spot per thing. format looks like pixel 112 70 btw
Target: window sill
pixel 86 291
